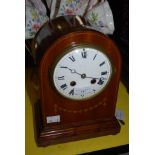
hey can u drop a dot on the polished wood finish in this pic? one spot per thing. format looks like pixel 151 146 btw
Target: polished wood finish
pixel 78 119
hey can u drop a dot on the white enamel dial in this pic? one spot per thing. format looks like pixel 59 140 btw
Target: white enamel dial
pixel 82 73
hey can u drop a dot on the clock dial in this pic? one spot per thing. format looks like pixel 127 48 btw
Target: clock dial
pixel 82 73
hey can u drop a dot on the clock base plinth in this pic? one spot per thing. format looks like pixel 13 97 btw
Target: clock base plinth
pixel 45 137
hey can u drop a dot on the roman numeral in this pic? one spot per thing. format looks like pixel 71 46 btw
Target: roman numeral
pixel 71 92
pixel 84 54
pixel 94 56
pixel 100 82
pixel 61 78
pixel 104 73
pixel 102 63
pixel 72 58
pixel 82 95
pixel 64 86
pixel 63 67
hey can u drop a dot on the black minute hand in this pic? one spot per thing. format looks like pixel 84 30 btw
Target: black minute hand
pixel 94 77
pixel 91 77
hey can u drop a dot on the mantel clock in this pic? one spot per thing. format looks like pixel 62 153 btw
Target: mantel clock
pixel 79 72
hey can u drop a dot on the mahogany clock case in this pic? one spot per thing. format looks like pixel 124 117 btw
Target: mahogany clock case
pixel 78 119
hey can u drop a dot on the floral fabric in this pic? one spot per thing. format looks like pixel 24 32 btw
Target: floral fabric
pixel 93 3
pixel 101 18
pixel 35 17
pixel 72 7
pixel 69 7
pixel 97 12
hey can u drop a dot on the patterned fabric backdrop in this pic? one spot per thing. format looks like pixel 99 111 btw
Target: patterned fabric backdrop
pixel 97 12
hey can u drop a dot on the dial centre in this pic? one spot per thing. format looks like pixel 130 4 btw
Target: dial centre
pixel 83 76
